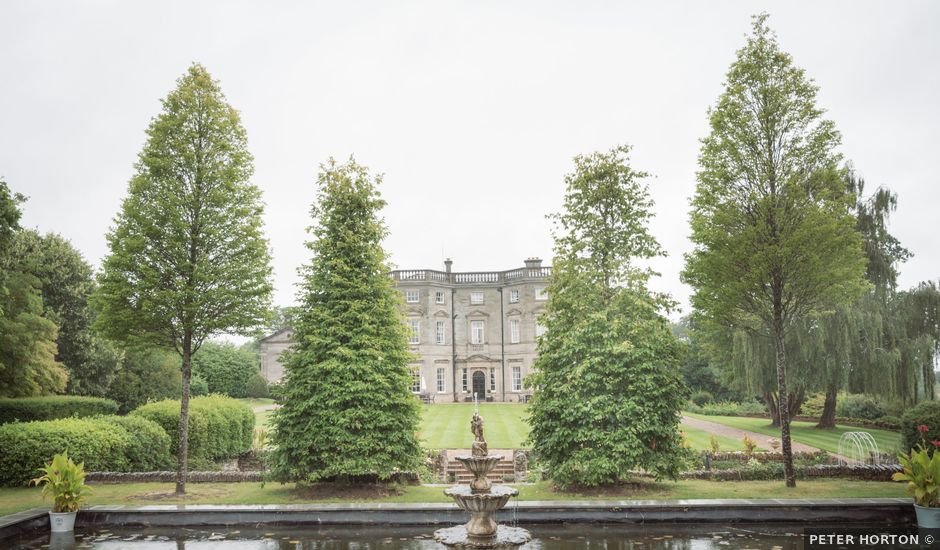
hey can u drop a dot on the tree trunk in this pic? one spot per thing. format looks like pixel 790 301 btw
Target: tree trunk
pixel 783 396
pixel 771 401
pixel 828 417
pixel 181 472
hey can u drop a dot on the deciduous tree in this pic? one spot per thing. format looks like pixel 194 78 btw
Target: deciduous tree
pixel 188 258
pixel 607 374
pixel 775 239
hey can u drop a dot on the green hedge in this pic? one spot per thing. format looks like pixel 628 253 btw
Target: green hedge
pixel 25 409
pixel 926 413
pixel 103 443
pixel 219 426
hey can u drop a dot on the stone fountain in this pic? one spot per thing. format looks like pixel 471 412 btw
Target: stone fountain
pixel 482 499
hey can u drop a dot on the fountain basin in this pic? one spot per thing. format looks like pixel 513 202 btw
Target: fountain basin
pixel 505 538
pixel 479 466
pixel 472 501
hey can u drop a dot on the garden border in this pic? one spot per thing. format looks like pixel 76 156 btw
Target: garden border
pixel 867 511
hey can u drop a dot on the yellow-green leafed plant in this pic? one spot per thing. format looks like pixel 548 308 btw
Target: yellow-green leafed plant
pixel 64 481
pixel 921 471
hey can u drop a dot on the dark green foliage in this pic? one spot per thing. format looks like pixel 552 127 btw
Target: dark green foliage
pixel 27 341
pixel 257 387
pixel 860 406
pixel 219 427
pixel 226 369
pixel 924 414
pixel 25 409
pixel 607 372
pixel 145 375
pixel 198 386
pixel 729 408
pixel 702 397
pixel 347 408
pixel 66 283
pixel 103 443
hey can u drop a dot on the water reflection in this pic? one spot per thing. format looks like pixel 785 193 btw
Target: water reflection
pixel 554 537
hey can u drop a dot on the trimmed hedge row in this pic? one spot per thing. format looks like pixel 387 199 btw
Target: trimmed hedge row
pixel 103 443
pixel 26 409
pixel 219 426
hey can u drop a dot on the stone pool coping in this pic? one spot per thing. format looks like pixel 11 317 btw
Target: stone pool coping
pixel 867 511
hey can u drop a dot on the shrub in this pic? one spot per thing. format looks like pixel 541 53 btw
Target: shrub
pixel 813 406
pixel 924 414
pixel 860 406
pixel 226 368
pixel 729 408
pixel 103 443
pixel 702 397
pixel 146 375
pixel 147 444
pixel 890 422
pixel 258 386
pixel 25 409
pixel 219 426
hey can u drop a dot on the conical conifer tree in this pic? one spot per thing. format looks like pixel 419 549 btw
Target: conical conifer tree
pixel 348 412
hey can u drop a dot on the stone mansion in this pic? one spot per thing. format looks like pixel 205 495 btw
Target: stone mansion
pixel 472 332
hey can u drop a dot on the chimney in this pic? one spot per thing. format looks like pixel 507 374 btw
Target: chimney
pixel 447 264
pixel 533 263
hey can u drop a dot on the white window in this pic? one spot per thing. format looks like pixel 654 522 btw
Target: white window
pixel 415 336
pixel 514 336
pixel 517 379
pixel 411 296
pixel 440 332
pixel 492 380
pixel 541 293
pixel 463 378
pixel 441 381
pixel 415 380
pixel 439 297
pixel 476 297
pixel 476 332
pixel 514 296
pixel 539 329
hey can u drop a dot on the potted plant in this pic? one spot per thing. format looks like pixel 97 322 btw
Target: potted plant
pixel 921 470
pixel 65 482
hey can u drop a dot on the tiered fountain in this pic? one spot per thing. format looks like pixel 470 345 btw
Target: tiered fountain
pixel 482 499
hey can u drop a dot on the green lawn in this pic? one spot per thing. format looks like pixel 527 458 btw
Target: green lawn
pixel 142 494
pixel 256 401
pixel 700 440
pixel 261 417
pixel 804 432
pixel 447 425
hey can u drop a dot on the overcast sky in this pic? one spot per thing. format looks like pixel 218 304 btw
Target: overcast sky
pixel 472 110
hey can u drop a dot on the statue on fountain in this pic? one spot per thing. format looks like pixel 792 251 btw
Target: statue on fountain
pixel 479 443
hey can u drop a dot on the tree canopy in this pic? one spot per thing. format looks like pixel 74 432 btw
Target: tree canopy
pixel 347 408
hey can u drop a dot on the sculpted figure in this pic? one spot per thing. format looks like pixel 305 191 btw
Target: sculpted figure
pixel 479 443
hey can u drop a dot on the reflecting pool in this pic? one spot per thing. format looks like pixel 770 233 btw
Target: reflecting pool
pixel 545 537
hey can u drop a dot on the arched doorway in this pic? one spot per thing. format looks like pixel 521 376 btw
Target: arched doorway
pixel 479 385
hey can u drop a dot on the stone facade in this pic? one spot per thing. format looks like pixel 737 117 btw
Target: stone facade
pixel 271 349
pixel 471 331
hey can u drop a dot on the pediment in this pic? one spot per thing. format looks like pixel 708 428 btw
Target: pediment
pixel 514 311
pixel 478 313
pixel 476 358
pixel 441 313
pixel 414 312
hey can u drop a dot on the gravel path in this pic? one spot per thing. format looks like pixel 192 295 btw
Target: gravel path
pixel 735 433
